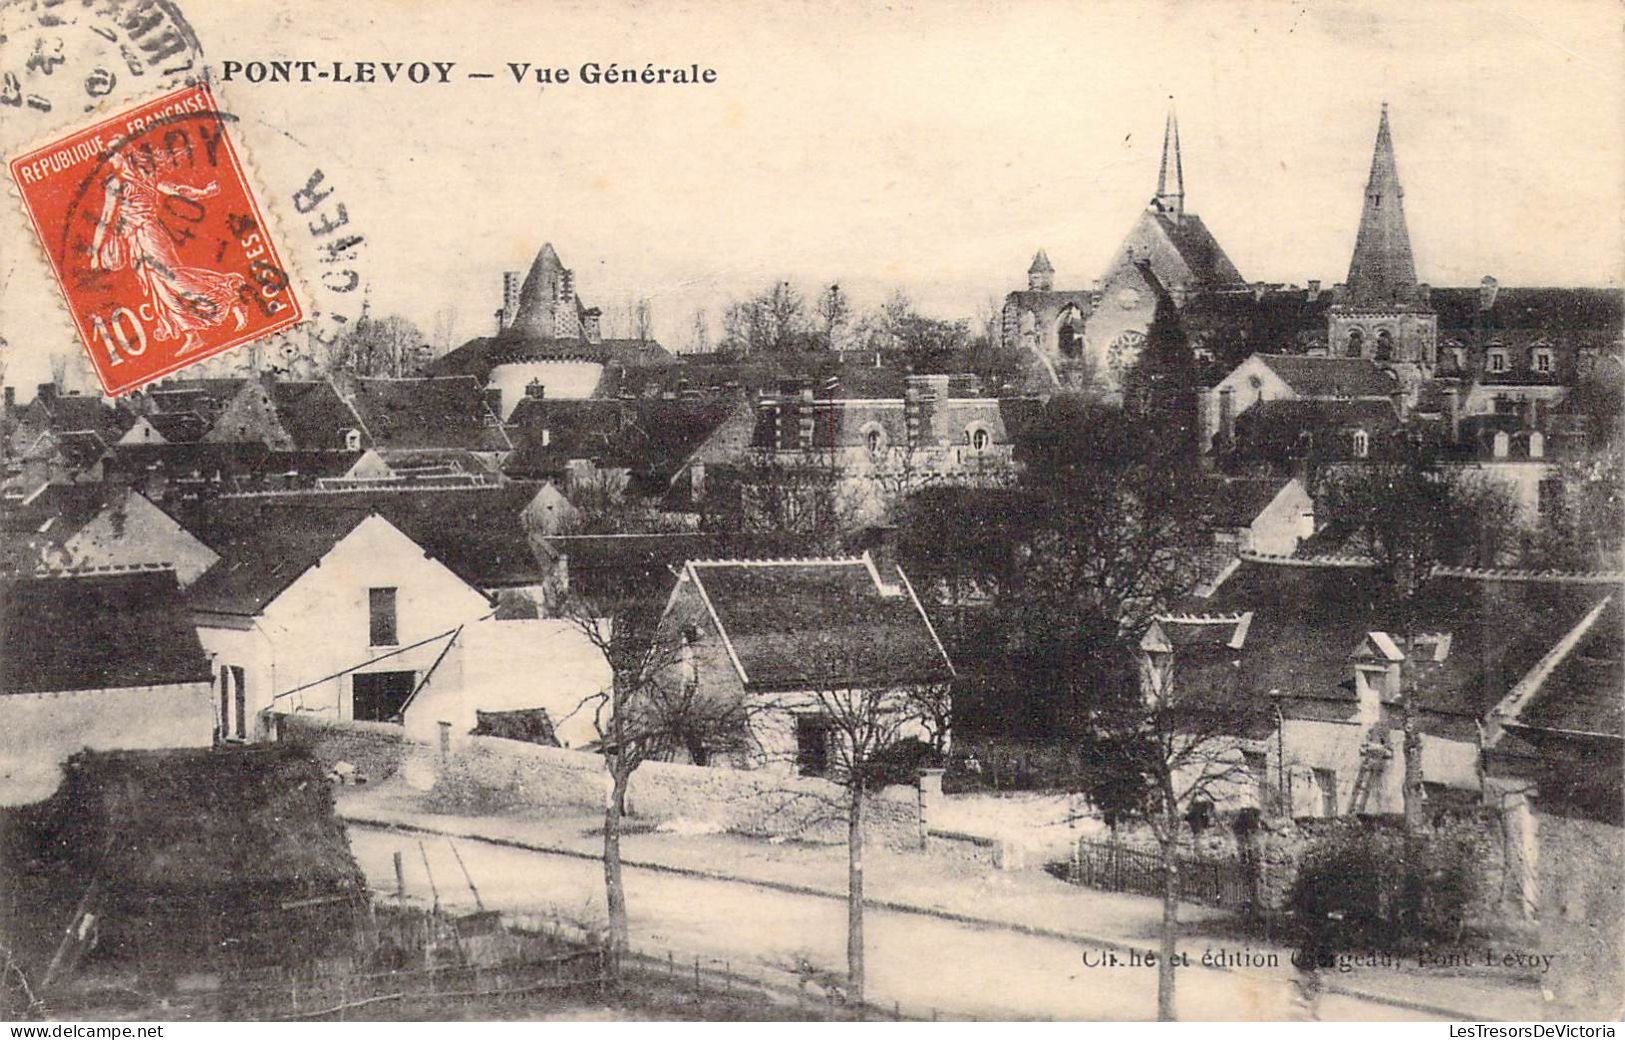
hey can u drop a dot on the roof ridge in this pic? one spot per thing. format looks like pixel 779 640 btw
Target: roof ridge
pixel 1592 577
pixel 100 570
pixel 1348 560
pixel 1208 619
pixel 770 561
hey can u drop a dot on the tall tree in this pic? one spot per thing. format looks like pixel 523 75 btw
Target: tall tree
pixel 1161 383
pixel 834 313
pixel 1157 748
pixel 654 709
pixel 865 713
pixel 376 347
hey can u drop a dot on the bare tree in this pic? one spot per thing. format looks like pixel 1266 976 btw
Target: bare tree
pixel 864 710
pixel 772 321
pixel 699 341
pixel 376 347
pixel 59 370
pixel 1155 752
pixel 442 327
pixel 834 313
pixel 654 709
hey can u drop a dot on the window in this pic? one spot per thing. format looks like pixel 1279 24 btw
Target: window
pixel 977 437
pixel 1326 781
pixel 1385 345
pixel 380 696
pixel 812 745
pixel 1501 444
pixel 1498 361
pixel 381 617
pixel 1543 361
pixel 874 439
pixel 1362 444
pixel 1356 342
pixel 1537 445
pixel 352 440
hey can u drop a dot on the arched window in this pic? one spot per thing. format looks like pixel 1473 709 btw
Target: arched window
pixel 1537 445
pixel 976 436
pixel 1362 444
pixel 1385 345
pixel 874 438
pixel 1068 333
pixel 1501 444
pixel 1356 342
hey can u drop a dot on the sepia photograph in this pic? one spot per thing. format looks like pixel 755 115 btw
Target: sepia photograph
pixel 811 511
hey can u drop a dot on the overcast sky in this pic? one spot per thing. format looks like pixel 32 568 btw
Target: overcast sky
pixel 932 147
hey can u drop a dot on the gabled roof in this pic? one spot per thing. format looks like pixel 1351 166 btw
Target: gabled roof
pixel 47 519
pixel 477 532
pixel 1330 376
pixel 1201 252
pixel 80 449
pixel 1585 692
pixel 1237 501
pixel 313 414
pixel 102 629
pixel 178 427
pixel 263 548
pixel 652 438
pixel 803 624
pixel 85 412
pixel 445 412
pixel 1308 616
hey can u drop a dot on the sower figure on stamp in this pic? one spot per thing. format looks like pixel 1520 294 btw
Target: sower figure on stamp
pixel 131 234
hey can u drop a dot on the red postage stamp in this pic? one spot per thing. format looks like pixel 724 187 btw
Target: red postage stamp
pixel 156 239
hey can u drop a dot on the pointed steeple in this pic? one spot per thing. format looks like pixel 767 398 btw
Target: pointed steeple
pixel 1041 275
pixel 1382 271
pixel 1166 201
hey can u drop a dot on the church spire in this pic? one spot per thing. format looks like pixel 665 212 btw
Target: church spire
pixel 1382 270
pixel 1171 202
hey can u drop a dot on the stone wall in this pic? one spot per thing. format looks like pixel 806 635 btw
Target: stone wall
pixel 376 749
pixel 490 774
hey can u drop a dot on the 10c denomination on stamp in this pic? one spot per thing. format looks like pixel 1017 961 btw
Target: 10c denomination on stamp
pixel 156 239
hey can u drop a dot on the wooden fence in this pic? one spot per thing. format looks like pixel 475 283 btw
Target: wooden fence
pixel 1223 883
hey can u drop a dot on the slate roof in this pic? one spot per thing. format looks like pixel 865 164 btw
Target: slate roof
pixel 179 427
pixel 97 630
pixel 86 412
pixel 313 414
pixel 1545 309
pixel 448 412
pixel 477 532
pixel 264 547
pixel 801 624
pixel 1330 376
pixel 47 519
pixel 1586 692
pixel 204 396
pixel 1200 250
pixel 80 449
pixel 223 463
pixel 652 438
pixel 1308 619
pixel 1237 501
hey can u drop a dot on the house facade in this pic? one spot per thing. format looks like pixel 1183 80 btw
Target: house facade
pixel 782 638
pixel 102 658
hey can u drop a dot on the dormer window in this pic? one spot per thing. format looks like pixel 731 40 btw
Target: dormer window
pixel 1537 445
pixel 1362 444
pixel 1541 360
pixel 1497 360
pixel 1501 444
pixel 977 437
pixel 352 440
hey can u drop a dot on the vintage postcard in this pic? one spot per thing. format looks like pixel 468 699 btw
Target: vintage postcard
pixel 812 511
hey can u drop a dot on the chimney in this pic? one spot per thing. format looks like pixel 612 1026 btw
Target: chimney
pixel 1398 397
pixel 1227 414
pixel 535 390
pixel 11 399
pixel 805 423
pixel 1314 289
pixel 1486 292
pixel 45 392
pixel 591 325
pixel 1259 289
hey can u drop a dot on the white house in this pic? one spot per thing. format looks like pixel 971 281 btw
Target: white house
pixel 338 612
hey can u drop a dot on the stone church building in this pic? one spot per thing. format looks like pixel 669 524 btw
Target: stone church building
pixel 1090 336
